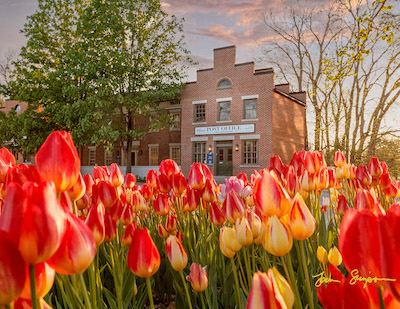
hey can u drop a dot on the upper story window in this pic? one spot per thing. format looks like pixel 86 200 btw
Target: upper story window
pixel 176 121
pixel 250 109
pixel 199 112
pixel 224 113
pixel 225 83
pixel 17 108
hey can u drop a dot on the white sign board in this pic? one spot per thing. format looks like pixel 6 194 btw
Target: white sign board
pixel 230 129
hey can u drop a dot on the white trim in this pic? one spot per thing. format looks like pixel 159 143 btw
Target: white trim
pixel 250 136
pixel 153 145
pixel 199 139
pixel 196 123
pixel 248 120
pixel 199 102
pixel 224 138
pixel 224 99
pixel 249 165
pixel 249 97
pixel 223 121
pixel 174 144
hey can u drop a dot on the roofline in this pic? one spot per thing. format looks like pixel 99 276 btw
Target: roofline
pixel 225 47
pixel 290 97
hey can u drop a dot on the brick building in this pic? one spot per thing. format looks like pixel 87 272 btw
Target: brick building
pixel 239 115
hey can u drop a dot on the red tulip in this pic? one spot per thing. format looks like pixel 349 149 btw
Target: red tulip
pixel 162 231
pixel 243 177
pixel 342 205
pixel 127 237
pixel 339 159
pixel 100 173
pixel 322 179
pixel 151 178
pixel 208 194
pixel 363 175
pixel 58 160
pixel 374 167
pixel 12 270
pixel 143 257
pixel 254 221
pixel 23 173
pixel 89 182
pixel 233 207
pixel 170 224
pixel 269 196
pixel 44 279
pixel 95 222
pixel 116 178
pixel 7 160
pixel 34 219
pixel 163 184
pixel 77 248
pixel 198 277
pixel 110 228
pixel 275 164
pixel 196 177
pixel 129 181
pixel 146 191
pixel 176 253
pixel 107 193
pixel 341 294
pixel 216 215
pixel 365 200
pixel 191 201
pixel 169 168
pixel 116 210
pixel 83 202
pixel 138 202
pixel 179 184
pixel 161 205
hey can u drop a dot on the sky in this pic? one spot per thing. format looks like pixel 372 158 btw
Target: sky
pixel 208 24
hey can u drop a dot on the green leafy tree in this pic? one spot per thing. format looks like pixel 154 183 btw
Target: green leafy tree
pixel 94 66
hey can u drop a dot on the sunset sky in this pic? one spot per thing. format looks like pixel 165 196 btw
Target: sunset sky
pixel 208 24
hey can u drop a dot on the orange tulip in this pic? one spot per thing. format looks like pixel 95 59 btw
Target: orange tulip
pixel 95 222
pixel 161 205
pixel 191 201
pixel 176 253
pixel 196 178
pixel 58 160
pixel 339 159
pixel 208 194
pixel 12 270
pixel 301 221
pixel 116 178
pixel 265 292
pixel 77 249
pixel 107 193
pixel 162 231
pixel 78 189
pixel 127 237
pixel 179 184
pixel 269 196
pixel 170 224
pixel 129 181
pixel 198 277
pixel 143 257
pixel 34 219
pixel 151 179
pixel 277 238
pixel 169 168
pixel 216 215
pixel 126 216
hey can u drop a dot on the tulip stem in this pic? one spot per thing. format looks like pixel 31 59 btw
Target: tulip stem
pixel 235 275
pixel 290 273
pixel 203 306
pixel 306 275
pixel 186 290
pixel 381 301
pixel 85 292
pixel 33 286
pixel 150 293
pixel 8 306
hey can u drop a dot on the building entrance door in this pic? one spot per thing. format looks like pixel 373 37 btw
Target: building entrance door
pixel 224 159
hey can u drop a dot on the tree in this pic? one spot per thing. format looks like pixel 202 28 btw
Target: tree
pixel 93 66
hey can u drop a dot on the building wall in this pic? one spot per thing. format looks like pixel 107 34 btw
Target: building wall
pixel 288 127
pixel 246 81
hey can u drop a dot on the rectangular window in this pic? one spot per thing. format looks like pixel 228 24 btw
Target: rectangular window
pixel 250 152
pixel 176 122
pixel 224 111
pixel 108 157
pixel 199 152
pixel 250 109
pixel 153 155
pixel 92 155
pixel 199 112
pixel 175 153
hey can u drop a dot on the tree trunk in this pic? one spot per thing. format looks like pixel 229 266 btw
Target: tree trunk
pixel 128 154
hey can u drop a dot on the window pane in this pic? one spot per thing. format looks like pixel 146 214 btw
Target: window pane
pixel 176 124
pixel 92 156
pixel 250 109
pixel 225 83
pixel 224 111
pixel 176 154
pixel 199 152
pixel 153 159
pixel 250 152
pixel 199 112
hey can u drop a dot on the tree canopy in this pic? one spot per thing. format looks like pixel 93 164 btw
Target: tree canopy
pixel 91 67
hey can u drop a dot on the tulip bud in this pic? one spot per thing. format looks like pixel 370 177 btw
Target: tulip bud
pixel 95 222
pixel 179 235
pixel 126 216
pixel 129 181
pixel 208 194
pixel 301 221
pixel 322 179
pixel 364 200
pixel 151 178
pixel 110 228
pixel 224 247
pixel 138 202
pixel 169 168
pixel 277 239
pixel 342 206
pixel 127 237
pixel 176 253
pixel 192 200
pixel 198 277
pixel 143 257
pixel 196 178
pixel 179 184
pixel 116 178
pixel 162 231
pixel 334 257
pixel 339 159
pixel 322 255
pixel 229 240
pixel 89 182
pixel 244 234
pixel 146 191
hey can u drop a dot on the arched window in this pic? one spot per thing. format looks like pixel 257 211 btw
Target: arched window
pixel 225 83
pixel 17 108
